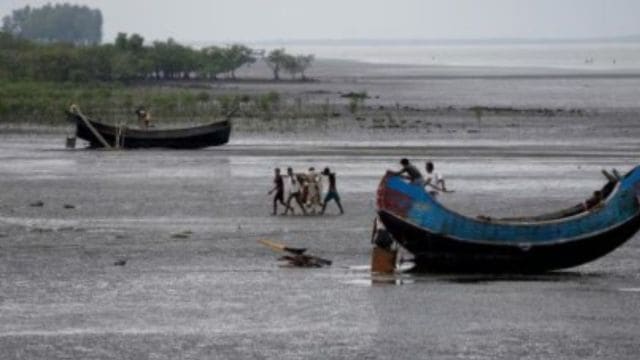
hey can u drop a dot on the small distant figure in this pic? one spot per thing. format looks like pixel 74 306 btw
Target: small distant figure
pixel 294 192
pixel 120 262
pixel 332 193
pixel 413 174
pixel 434 179
pixel 278 188
pixel 594 202
pixel 144 117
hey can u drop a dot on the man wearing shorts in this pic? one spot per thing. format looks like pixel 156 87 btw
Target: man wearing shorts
pixel 332 193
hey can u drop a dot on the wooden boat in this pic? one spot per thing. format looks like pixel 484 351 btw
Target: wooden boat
pixel 445 241
pixel 188 138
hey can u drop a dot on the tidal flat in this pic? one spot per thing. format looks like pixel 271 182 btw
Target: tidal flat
pixel 153 254
pixel 214 292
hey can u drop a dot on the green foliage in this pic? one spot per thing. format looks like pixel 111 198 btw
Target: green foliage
pixel 128 59
pixel 354 105
pixel 236 56
pixel 62 22
pixel 229 103
pixel 356 100
pixel 45 102
pixel 268 103
pixel 275 60
pixel 278 60
pixel 361 96
pixel 203 97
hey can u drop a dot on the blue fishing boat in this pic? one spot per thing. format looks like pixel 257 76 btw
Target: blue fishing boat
pixel 443 240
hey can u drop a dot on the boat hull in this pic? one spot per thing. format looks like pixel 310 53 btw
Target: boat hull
pixel 439 253
pixel 442 240
pixel 189 138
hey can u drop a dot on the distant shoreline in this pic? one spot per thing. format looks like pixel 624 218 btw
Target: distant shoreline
pixel 634 38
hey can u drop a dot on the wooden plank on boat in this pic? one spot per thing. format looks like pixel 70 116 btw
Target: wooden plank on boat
pixel 76 110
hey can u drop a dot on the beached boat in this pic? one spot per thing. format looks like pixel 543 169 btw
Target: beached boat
pixel 125 137
pixel 442 240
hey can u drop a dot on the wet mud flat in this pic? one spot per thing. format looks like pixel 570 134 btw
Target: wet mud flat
pixel 195 284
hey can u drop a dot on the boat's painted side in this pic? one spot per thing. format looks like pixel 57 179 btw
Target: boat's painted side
pixel 189 138
pixel 445 240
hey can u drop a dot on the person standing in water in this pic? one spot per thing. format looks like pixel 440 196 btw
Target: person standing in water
pixel 278 188
pixel 332 193
pixel 294 193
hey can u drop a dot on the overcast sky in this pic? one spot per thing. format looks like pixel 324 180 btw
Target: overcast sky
pixel 259 20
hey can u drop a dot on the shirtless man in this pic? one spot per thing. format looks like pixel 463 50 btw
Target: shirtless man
pixel 332 193
pixel 413 174
pixel 278 188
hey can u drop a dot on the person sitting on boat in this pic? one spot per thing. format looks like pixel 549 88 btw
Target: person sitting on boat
pixel 294 192
pixel 144 117
pixel 332 193
pixel 434 179
pixel 594 202
pixel 413 174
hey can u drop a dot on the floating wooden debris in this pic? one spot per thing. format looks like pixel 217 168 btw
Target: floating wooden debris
pixel 296 257
pixel 120 262
pixel 182 235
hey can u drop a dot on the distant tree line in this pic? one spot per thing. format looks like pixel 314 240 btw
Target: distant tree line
pixel 278 60
pixel 129 59
pixel 60 23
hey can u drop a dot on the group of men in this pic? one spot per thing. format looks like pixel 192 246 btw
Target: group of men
pixel 306 189
pixel 434 180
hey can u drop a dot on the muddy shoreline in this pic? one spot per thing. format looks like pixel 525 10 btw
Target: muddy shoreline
pixel 196 284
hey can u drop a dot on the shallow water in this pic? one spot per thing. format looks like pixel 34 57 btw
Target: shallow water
pixel 217 293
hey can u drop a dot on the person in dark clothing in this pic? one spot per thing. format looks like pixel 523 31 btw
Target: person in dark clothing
pixel 594 202
pixel 332 193
pixel 413 174
pixel 278 188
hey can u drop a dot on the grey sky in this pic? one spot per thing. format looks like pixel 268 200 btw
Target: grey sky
pixel 256 20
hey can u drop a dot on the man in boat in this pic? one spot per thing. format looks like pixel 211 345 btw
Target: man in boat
pixel 332 193
pixel 278 188
pixel 294 192
pixel 413 174
pixel 594 202
pixel 434 179
pixel 144 117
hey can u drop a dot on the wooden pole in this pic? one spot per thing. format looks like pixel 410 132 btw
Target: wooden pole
pixel 76 110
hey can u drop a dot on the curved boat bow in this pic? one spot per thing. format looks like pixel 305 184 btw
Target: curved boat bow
pixel 443 240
